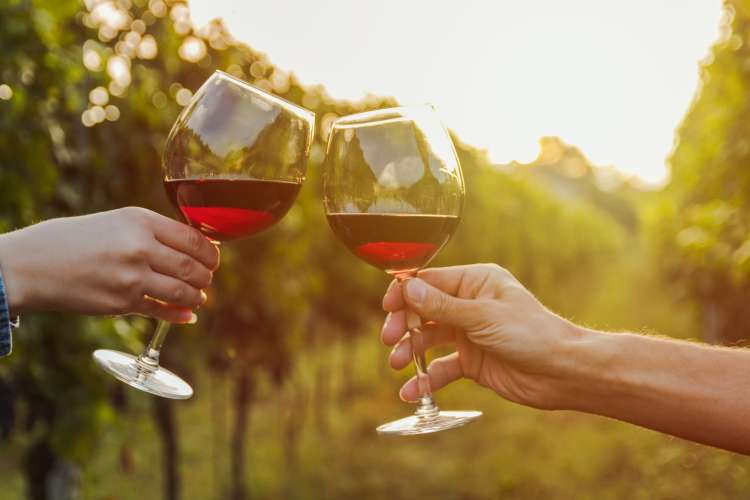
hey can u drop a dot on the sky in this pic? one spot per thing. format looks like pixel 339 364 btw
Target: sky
pixel 613 78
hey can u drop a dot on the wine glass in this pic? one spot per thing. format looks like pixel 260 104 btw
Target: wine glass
pixel 393 195
pixel 233 164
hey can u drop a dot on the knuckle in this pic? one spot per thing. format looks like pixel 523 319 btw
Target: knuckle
pixel 205 279
pixel 496 271
pixel 186 267
pixel 137 250
pixel 195 240
pixel 500 277
pixel 125 302
pixel 440 304
pixel 178 294
pixel 136 214
pixel 128 280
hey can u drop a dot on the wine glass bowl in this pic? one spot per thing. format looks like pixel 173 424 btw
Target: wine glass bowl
pixel 231 128
pixel 393 194
pixel 233 164
pixel 236 157
pixel 393 187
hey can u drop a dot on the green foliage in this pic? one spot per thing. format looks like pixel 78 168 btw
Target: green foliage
pixel 94 97
pixel 700 227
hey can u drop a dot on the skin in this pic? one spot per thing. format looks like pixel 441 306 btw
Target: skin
pixel 507 341
pixel 129 260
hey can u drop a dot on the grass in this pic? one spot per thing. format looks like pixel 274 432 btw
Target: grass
pixel 512 452
pixel 312 440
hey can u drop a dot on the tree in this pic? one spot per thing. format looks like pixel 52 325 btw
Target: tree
pixel 701 227
pixel 95 90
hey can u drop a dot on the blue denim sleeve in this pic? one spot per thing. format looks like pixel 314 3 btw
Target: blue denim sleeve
pixel 6 343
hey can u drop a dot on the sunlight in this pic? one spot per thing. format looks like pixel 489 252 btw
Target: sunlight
pixel 614 80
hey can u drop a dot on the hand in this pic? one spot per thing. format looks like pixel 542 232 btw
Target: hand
pixel 129 260
pixel 505 339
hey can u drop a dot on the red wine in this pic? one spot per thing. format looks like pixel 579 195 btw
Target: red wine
pixel 225 209
pixel 396 243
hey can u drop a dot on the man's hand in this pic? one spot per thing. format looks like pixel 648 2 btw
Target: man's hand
pixel 505 339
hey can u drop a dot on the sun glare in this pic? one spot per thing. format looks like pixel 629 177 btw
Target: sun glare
pixel 613 79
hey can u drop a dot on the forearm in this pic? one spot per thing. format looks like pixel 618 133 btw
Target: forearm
pixel 694 391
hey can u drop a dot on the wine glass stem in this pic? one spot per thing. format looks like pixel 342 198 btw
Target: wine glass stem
pixel 426 406
pixel 148 361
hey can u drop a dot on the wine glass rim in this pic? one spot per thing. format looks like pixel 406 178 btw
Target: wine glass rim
pixel 263 93
pixel 383 115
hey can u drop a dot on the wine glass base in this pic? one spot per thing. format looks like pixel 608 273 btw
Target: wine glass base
pixel 125 368
pixel 419 424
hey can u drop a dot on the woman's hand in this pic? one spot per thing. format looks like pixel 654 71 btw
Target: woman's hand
pixel 505 339
pixel 129 260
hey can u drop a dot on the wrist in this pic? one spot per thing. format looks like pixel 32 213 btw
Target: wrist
pixel 15 278
pixel 588 370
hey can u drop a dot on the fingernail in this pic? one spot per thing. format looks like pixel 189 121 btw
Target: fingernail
pixel 204 297
pixel 193 319
pixel 416 291
pixel 402 393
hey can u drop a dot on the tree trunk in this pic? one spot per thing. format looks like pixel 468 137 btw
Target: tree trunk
pixel 48 477
pixel 321 391
pixel 166 424
pixel 64 481
pixel 293 415
pixel 218 439
pixel 37 466
pixel 243 396
pixel 348 386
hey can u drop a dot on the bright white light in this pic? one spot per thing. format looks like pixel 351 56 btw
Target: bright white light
pixel 97 114
pixel 118 68
pixel 109 14
pixel 99 96
pixel 92 60
pixel 5 92
pixel 613 78
pixel 112 113
pixel 183 96
pixel 148 48
pixel 192 49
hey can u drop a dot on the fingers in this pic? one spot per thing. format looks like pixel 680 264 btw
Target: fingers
pixel 435 305
pixel 165 260
pixel 442 372
pixel 187 240
pixel 393 300
pixel 469 281
pixel 173 291
pixel 448 279
pixel 432 335
pixel 394 327
pixel 155 309
pixel 466 282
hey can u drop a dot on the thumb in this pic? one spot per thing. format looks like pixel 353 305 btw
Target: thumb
pixel 435 305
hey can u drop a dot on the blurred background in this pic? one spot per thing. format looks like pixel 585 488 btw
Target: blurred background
pixel 648 231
